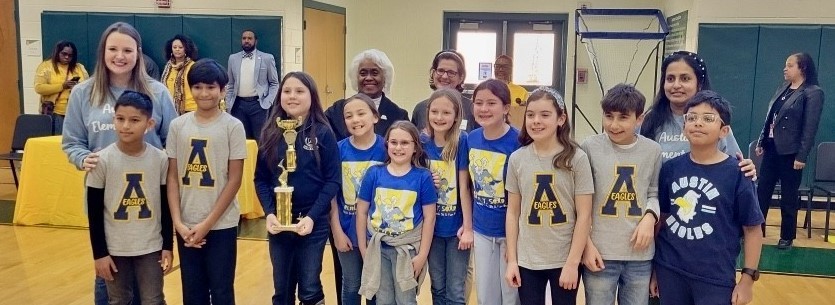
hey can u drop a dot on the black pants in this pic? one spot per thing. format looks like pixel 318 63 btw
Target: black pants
pixel 248 110
pixel 775 168
pixel 532 291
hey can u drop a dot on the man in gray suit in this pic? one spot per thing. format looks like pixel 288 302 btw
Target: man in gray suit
pixel 253 85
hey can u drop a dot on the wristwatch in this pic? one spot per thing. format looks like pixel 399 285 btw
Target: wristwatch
pixel 754 273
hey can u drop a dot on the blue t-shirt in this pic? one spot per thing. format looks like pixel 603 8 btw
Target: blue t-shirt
pixel 448 215
pixel 488 168
pixel 707 205
pixel 354 164
pixel 397 202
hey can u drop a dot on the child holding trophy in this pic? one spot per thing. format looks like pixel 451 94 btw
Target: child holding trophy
pixel 296 147
pixel 206 151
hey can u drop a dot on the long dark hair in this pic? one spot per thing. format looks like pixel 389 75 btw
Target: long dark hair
pixel 807 65
pixel 660 111
pixel 188 46
pixel 56 55
pixel 419 159
pixel 272 138
pixel 562 159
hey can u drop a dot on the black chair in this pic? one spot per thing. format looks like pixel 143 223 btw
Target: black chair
pixel 27 126
pixel 825 178
pixel 801 191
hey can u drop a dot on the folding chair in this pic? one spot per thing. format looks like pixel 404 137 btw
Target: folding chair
pixel 26 126
pixel 825 178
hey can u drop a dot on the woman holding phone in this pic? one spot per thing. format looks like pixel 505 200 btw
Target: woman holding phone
pixel 54 79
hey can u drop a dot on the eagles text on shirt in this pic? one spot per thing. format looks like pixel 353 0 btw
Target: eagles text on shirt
pixel 691 195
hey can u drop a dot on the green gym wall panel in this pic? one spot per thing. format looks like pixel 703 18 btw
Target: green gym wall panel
pixel 70 26
pixel 211 34
pixel 156 30
pixel 826 78
pixel 215 36
pixel 777 42
pixel 730 72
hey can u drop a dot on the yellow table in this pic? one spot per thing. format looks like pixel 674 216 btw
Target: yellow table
pixel 52 190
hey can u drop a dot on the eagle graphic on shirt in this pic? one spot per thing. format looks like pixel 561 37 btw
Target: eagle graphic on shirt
pixel 394 211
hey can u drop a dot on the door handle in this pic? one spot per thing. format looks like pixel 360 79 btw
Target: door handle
pixel 328 89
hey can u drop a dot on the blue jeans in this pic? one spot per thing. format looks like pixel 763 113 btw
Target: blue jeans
pixel 144 270
pixel 351 262
pixel 448 271
pixel 389 293
pixel 208 273
pixel 628 279
pixel 298 260
pixel 100 293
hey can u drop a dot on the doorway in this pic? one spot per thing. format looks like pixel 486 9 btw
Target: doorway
pixel 324 49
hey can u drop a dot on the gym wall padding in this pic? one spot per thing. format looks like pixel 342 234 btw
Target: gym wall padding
pixel 746 63
pixel 216 36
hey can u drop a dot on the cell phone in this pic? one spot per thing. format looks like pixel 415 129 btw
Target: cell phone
pixel 75 79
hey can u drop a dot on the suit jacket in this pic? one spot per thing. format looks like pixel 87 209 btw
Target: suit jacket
pixel 266 78
pixel 796 123
pixel 389 113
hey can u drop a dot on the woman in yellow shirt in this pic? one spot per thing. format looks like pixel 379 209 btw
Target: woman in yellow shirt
pixel 180 54
pixel 54 79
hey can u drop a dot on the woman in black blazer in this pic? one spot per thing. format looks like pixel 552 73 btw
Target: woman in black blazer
pixel 786 139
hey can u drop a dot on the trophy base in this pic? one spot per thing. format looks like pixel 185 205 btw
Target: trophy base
pixel 285 228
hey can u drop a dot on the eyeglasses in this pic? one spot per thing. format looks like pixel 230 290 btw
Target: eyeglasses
pixel 68 54
pixel 502 66
pixel 450 73
pixel 707 118
pixel 394 143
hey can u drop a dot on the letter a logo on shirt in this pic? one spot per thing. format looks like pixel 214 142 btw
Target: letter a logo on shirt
pixel 623 190
pixel 198 163
pixel 133 196
pixel 545 199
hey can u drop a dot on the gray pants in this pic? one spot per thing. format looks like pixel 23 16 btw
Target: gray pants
pixel 490 268
pixel 148 273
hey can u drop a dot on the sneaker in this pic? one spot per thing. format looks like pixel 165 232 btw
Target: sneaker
pixel 784 244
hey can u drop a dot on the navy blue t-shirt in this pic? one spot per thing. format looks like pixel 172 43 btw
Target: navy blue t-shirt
pixel 448 214
pixel 707 205
pixel 354 164
pixel 488 168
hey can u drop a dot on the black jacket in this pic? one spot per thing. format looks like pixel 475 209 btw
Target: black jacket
pixel 314 184
pixel 389 113
pixel 796 123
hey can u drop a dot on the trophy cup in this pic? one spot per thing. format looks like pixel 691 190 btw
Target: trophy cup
pixel 289 127
pixel 283 203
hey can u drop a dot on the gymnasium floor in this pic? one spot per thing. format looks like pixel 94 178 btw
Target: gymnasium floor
pixel 51 265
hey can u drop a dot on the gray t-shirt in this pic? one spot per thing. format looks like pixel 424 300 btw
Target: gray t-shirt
pixel 674 143
pixel 547 218
pixel 626 180
pixel 203 152
pixel 132 198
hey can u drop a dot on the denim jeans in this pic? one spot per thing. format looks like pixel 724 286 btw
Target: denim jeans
pixel 144 270
pixel 351 263
pixel 448 271
pixel 490 267
pixel 389 293
pixel 626 281
pixel 298 260
pixel 208 273
pixel 100 293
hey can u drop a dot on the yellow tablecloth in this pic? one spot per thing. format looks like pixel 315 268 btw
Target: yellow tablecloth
pixel 52 190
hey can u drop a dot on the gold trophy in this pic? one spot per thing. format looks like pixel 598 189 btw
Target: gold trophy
pixel 283 203
pixel 289 127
